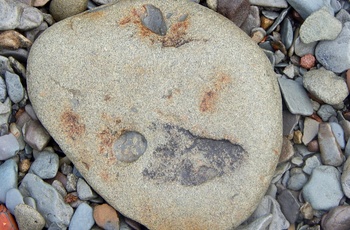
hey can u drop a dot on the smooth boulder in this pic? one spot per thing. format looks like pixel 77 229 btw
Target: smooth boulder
pixel 152 102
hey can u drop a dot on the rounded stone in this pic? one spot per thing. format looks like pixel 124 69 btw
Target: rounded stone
pixel 61 9
pixel 188 92
pixel 129 147
pixel 28 218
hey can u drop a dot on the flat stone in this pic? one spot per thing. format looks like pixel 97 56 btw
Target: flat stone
pixel 15 89
pixel 8 177
pixel 305 8
pixel 326 112
pixel 345 178
pixel 295 97
pixel 320 25
pixel 323 191
pixel 297 179
pixel 343 16
pixel 335 55
pixel 28 218
pixel 258 224
pixel 326 86
pixel 8 146
pixel 287 151
pixel 83 218
pixel 180 136
pixel 289 122
pixel 252 21
pixel 270 3
pixel 45 165
pixel 338 133
pixel 331 153
pixel 310 130
pixel 289 205
pixel 49 202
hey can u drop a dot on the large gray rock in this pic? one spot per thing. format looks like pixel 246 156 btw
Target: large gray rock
pixel 156 110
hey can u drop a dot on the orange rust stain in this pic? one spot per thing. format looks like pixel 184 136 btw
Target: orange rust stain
pixel 72 125
pixel 276 152
pixel 211 96
pixel 86 165
pixel 104 176
pixel 107 97
pixel 106 138
pixel 175 36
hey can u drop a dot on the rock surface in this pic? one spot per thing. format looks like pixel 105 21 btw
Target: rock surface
pixel 181 119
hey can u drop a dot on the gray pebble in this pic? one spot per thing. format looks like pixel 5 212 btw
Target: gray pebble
pixel 305 8
pixel 10 15
pixel 310 130
pixel 289 122
pixel 334 55
pixel 28 218
pixel 278 20
pixel 31 17
pixel 35 135
pixel 30 201
pixel 4 64
pixel 8 177
pixel 49 202
pixel 18 67
pixel 297 179
pixel 326 111
pixel 14 86
pixel 295 97
pixel 298 160
pixel 320 25
pixel 45 165
pixel 302 150
pixel 347 149
pixel 59 187
pixel 311 163
pixel 260 223
pixel 343 16
pixel 84 190
pixel 290 71
pixel 302 48
pixel 66 169
pixel 76 172
pixel 267 206
pixel 270 55
pixel 272 191
pixel 72 181
pixel 280 170
pixel 19 54
pixel 13 198
pixel 345 178
pixel 287 33
pixel 82 218
pixel 252 21
pixel 331 153
pixel 154 20
pixel 3 90
pixel 326 86
pixel 289 205
pixel 279 56
pixel 323 191
pixel 18 134
pixel 9 146
pixel 29 109
pixel 338 133
pixel 270 14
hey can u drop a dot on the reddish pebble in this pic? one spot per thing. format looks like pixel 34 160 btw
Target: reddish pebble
pixel 308 61
pixel 337 219
pixel 313 146
pixel 7 221
pixel 106 217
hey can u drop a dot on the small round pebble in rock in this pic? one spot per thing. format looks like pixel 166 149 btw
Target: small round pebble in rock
pixel 82 218
pixel 106 217
pixel 28 218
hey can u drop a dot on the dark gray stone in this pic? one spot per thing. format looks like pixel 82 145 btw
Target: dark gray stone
pixel 287 33
pixel 295 97
pixel 289 205
pixel 153 19
pixel 289 122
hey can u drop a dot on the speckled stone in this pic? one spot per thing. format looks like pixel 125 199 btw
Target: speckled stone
pixel 172 115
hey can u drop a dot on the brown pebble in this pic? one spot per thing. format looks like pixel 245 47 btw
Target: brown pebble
pixel 308 61
pixel 307 211
pixel 296 16
pixel 106 217
pixel 348 78
pixel 297 138
pixel 278 45
pixel 347 115
pixel 287 151
pixel 11 39
pixel 257 36
pixel 337 219
pixel 70 198
pixel 265 22
pixel 24 165
pixel 313 146
pixel 316 117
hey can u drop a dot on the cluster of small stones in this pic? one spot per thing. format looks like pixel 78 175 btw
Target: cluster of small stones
pixel 308 44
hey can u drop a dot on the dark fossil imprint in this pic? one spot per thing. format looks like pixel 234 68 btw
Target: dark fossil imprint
pixel 192 160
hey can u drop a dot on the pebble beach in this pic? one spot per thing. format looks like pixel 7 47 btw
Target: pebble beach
pixel 307 45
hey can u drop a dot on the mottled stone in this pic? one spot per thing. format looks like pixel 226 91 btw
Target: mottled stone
pixel 287 151
pixel 308 61
pixel 15 88
pixel 28 218
pixel 194 135
pixel 323 190
pixel 331 153
pixel 326 86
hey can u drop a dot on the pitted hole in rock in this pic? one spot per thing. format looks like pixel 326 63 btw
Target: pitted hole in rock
pixel 192 160
pixel 153 19
pixel 130 146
